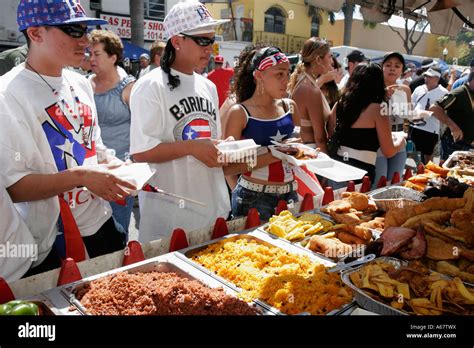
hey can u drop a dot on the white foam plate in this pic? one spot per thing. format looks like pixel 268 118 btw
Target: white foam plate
pixel 238 149
pixel 295 161
pixel 137 174
pixel 335 170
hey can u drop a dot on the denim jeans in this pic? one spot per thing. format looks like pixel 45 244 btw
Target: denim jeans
pixel 244 199
pixel 123 213
pixel 388 166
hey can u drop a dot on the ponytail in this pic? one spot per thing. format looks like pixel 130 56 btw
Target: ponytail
pixel 300 68
pixel 167 60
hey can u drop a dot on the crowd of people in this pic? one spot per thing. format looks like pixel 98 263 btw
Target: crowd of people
pixel 62 132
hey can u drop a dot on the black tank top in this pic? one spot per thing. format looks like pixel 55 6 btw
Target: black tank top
pixel 360 138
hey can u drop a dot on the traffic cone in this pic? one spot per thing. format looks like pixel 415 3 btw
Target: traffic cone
pixel 382 182
pixel 178 240
pixel 69 272
pixel 365 187
pixel 420 169
pixel 408 174
pixel 308 203
pixel 395 178
pixel 6 293
pixel 351 186
pixel 253 218
pixel 281 206
pixel 133 253
pixel 220 229
pixel 328 195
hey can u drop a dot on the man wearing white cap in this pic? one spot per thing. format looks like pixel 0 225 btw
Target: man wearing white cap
pixel 175 117
pixel 144 65
pixel 426 136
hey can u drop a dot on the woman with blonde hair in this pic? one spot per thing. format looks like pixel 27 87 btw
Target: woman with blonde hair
pixel 305 91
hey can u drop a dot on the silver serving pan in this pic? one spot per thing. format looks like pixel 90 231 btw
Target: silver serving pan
pixel 358 252
pixel 264 227
pixel 264 239
pixel 395 197
pixel 157 265
pixel 363 299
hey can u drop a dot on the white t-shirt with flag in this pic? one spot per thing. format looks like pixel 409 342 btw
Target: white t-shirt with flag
pixel 422 98
pixel 160 115
pixel 37 137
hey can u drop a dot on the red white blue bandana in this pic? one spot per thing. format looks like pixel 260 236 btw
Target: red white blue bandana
pixel 268 62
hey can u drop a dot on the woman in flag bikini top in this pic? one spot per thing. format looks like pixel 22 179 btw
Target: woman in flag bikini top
pixel 264 116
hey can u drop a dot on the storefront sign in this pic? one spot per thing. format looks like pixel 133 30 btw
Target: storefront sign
pixel 122 26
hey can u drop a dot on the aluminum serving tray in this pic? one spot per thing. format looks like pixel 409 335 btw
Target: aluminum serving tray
pixel 363 299
pixel 264 239
pixel 301 243
pixel 165 263
pixel 264 228
pixel 395 197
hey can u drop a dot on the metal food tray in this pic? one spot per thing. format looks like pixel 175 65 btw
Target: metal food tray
pixel 157 264
pixel 359 252
pixel 454 156
pixel 264 239
pixel 264 228
pixel 363 299
pixel 395 197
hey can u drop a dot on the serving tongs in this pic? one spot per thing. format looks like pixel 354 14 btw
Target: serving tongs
pixel 343 266
pixel 150 188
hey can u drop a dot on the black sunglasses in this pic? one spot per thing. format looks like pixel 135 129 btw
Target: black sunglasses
pixel 200 40
pixel 75 31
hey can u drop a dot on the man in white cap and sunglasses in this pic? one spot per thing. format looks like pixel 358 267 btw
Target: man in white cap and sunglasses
pixel 426 136
pixel 50 141
pixel 175 124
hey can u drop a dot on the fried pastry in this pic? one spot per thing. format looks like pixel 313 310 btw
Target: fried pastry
pixel 438 249
pixel 439 203
pixel 359 201
pixel 349 238
pixel 433 216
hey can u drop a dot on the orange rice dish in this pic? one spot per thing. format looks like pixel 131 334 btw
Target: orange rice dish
pixel 291 283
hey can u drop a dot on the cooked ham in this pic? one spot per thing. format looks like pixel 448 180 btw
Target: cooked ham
pixel 394 238
pixel 416 248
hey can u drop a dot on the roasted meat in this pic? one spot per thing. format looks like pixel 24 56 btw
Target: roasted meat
pixel 416 248
pixel 394 238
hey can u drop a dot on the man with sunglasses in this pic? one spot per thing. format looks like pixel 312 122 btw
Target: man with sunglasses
pixel 175 121
pixel 50 142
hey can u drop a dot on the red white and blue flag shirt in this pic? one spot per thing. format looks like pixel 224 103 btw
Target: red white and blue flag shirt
pixel 161 115
pixel 39 138
pixel 263 132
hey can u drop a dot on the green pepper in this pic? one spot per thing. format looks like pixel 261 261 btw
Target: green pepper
pixel 19 307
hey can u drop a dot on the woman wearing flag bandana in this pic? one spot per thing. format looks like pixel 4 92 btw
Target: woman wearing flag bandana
pixel 264 115
pixel 50 142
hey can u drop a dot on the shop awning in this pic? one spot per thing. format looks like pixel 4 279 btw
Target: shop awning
pixel 132 51
pixel 446 17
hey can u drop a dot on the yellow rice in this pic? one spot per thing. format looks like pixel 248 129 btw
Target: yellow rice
pixel 292 283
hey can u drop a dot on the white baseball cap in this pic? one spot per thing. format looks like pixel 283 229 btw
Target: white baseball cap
pixel 432 72
pixel 190 17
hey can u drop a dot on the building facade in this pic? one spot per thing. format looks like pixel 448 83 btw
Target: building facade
pixel 283 23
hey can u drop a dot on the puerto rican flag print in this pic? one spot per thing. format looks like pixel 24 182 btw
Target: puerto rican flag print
pixel 198 128
pixel 65 139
